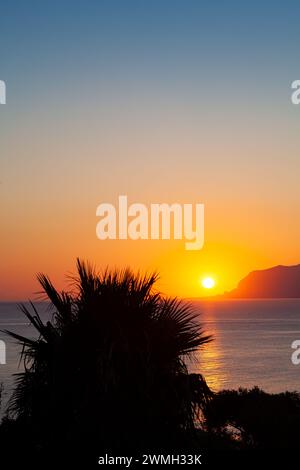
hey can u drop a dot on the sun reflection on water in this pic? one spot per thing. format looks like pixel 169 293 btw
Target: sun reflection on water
pixel 209 360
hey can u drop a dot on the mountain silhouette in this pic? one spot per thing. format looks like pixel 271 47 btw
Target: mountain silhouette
pixel 276 282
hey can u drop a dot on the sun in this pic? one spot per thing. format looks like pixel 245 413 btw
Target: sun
pixel 208 282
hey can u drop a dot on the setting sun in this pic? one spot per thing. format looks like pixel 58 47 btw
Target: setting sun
pixel 208 282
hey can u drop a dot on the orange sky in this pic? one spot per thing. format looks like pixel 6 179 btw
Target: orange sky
pixel 49 203
pixel 237 240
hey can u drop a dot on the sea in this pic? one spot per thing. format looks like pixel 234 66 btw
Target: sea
pixel 251 346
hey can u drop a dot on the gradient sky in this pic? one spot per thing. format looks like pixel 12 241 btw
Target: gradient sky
pixel 173 101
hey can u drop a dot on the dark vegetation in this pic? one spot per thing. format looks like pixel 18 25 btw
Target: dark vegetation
pixel 256 419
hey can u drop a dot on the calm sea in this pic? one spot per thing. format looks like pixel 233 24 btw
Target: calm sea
pixel 251 346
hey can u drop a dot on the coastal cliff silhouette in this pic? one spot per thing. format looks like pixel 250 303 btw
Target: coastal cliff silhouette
pixel 276 282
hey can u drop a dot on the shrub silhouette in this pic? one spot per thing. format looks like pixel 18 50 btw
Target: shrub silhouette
pixel 263 421
pixel 108 370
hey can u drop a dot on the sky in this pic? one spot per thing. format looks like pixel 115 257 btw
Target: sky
pixel 174 101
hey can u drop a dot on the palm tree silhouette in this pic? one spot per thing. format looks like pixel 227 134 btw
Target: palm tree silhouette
pixel 109 368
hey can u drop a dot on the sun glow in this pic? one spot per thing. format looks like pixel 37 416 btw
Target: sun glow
pixel 208 283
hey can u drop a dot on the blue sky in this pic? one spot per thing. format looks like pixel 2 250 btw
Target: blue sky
pixel 144 40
